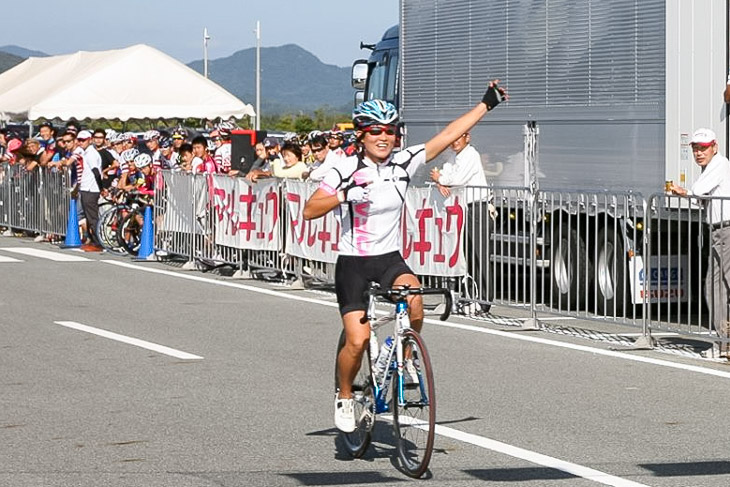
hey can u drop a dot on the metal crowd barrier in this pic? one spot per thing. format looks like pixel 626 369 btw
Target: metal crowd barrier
pixel 658 264
pixel 689 266
pixel 36 201
pixel 185 213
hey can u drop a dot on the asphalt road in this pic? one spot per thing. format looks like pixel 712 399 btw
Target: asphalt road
pixel 242 393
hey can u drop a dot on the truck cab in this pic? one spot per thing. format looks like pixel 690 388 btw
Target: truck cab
pixel 377 76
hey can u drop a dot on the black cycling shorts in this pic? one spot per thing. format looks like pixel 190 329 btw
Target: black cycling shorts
pixel 353 275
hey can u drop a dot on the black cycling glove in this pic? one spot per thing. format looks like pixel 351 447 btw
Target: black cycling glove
pixel 492 97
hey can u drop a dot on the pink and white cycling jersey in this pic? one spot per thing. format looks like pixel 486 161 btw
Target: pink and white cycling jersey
pixel 223 157
pixel 206 165
pixel 157 160
pixel 373 227
pixel 78 157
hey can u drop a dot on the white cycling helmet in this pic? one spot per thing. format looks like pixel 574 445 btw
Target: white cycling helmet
pixel 129 154
pixel 151 134
pixel 225 128
pixel 116 138
pixel 142 160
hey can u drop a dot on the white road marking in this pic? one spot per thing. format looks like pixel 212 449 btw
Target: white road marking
pixel 527 455
pixel 550 318
pixel 4 259
pixel 131 341
pixel 191 277
pixel 654 334
pixel 585 348
pixel 477 329
pixel 45 254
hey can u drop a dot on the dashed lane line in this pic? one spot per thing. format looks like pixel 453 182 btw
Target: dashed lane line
pixel 129 340
pixel 45 254
pixel 461 326
pixel 4 259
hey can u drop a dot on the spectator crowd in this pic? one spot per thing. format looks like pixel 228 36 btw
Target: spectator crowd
pixel 101 162
pixel 122 154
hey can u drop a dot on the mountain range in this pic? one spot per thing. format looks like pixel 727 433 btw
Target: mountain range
pixel 293 80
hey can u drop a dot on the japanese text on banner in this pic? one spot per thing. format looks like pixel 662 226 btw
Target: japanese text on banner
pixel 313 239
pixel 433 232
pixel 246 216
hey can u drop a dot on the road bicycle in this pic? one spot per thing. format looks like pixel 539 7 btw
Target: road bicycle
pixel 404 389
pixel 129 234
pixel 111 214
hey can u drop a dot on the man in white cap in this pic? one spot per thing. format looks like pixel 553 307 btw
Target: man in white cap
pixel 90 186
pixel 714 181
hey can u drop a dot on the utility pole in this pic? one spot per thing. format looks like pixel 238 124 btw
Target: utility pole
pixel 258 75
pixel 206 38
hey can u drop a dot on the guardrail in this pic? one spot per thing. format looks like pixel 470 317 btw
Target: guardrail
pixel 36 201
pixel 656 264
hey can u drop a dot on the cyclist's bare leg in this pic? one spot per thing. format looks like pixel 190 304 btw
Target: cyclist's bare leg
pixel 415 302
pixel 357 336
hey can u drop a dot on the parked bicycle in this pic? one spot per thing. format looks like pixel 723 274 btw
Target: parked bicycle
pixel 129 234
pixel 120 227
pixel 111 215
pixel 396 377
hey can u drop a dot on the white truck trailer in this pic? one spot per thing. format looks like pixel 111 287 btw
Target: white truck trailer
pixel 615 87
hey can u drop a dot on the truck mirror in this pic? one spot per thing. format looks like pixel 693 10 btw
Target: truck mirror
pixel 359 74
pixel 359 97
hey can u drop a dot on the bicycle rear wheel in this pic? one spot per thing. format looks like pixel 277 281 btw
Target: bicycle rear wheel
pixel 129 234
pixel 358 441
pixel 414 409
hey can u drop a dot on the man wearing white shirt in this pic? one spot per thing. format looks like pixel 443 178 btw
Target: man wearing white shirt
pixel 325 158
pixel 465 169
pixel 89 188
pixel 714 181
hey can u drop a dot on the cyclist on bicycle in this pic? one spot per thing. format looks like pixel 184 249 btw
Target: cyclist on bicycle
pixel 368 192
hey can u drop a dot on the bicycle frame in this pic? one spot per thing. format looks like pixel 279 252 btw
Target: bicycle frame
pixel 396 359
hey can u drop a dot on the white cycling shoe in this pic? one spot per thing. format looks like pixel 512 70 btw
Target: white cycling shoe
pixel 344 414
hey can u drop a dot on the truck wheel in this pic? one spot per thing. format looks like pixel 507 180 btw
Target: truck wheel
pixel 611 275
pixel 572 270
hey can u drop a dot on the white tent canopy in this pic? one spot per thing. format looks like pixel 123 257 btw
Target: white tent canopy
pixel 138 82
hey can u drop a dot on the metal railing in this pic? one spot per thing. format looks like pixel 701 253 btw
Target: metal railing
pixel 36 201
pixel 657 264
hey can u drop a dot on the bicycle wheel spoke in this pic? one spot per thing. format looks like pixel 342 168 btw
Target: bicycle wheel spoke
pixel 414 411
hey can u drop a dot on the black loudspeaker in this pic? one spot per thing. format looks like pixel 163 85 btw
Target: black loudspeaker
pixel 242 148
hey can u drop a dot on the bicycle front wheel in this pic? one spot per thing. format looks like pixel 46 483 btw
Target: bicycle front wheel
pixel 357 442
pixel 414 407
pixel 107 227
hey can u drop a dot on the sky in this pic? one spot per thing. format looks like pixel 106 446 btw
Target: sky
pixel 329 29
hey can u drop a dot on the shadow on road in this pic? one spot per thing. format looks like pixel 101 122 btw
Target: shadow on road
pixel 687 469
pixel 521 474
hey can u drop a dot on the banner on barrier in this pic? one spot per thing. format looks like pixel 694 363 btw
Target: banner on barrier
pixel 309 239
pixel 246 216
pixel 433 232
pixel 432 228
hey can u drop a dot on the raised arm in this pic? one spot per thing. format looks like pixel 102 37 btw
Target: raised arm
pixel 493 96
